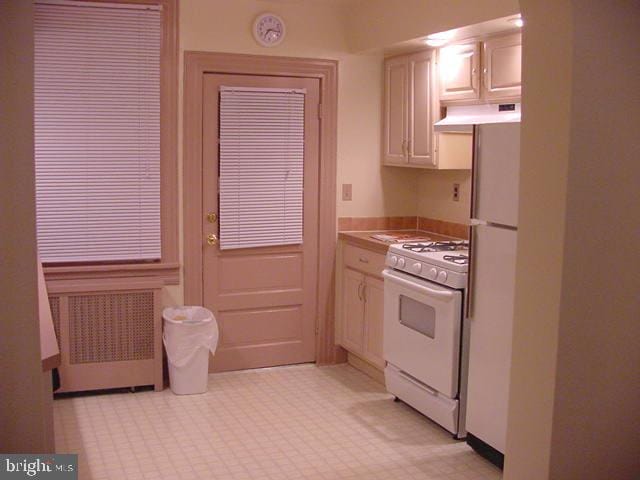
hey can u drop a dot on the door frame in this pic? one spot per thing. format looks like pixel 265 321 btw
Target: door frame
pixel 196 65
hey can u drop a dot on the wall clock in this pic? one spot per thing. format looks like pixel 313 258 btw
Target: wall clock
pixel 268 29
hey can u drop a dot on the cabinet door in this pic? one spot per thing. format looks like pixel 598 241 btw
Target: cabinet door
pixel 459 72
pixel 353 311
pixel 373 317
pixel 502 62
pixel 421 108
pixel 395 111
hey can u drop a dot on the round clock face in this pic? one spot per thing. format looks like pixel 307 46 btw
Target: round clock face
pixel 268 29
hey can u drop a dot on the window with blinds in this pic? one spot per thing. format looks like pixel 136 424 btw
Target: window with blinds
pixel 97 131
pixel 261 167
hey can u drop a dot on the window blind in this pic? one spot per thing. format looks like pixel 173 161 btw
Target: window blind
pixel 261 167
pixel 97 131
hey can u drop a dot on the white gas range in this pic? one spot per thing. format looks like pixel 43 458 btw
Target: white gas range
pixel 425 338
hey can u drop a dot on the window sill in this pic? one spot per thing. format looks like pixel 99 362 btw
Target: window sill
pixel 168 273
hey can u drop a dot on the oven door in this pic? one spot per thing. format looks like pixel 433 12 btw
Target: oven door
pixel 422 322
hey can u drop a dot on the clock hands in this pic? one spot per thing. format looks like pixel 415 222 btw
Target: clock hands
pixel 272 34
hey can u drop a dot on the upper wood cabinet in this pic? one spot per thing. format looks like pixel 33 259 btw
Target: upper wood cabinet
pixel 396 73
pixel 467 75
pixel 502 67
pixel 409 113
pixel 459 69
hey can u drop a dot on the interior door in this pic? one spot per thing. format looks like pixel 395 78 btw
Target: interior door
pixel 264 298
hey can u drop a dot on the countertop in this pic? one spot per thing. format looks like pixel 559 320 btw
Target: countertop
pixel 364 240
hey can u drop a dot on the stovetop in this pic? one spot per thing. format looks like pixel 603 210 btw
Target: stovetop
pixel 444 262
pixel 442 246
pixel 453 254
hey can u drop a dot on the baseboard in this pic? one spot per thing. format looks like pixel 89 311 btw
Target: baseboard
pixel 365 367
pixel 485 450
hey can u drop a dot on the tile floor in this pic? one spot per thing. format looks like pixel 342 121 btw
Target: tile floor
pixel 298 422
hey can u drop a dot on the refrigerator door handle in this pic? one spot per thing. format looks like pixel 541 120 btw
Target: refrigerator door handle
pixel 475 164
pixel 468 310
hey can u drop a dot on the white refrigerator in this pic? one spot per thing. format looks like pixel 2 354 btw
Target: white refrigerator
pixel 490 294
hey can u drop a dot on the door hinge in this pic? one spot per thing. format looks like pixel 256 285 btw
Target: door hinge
pixel 319 110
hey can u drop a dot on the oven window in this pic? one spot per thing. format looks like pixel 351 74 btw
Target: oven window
pixel 418 316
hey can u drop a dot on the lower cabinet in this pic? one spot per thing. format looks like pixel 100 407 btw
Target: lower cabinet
pixel 373 315
pixel 362 310
pixel 353 311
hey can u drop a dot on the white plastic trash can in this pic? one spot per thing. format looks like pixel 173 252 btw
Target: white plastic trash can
pixel 190 333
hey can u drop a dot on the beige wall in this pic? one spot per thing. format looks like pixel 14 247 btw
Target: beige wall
pixel 377 24
pixel 435 195
pixel 25 417
pixel 596 424
pixel 543 176
pixel 575 396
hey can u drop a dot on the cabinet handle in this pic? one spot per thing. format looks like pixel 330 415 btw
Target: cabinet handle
pixel 364 293
pixel 359 291
pixel 364 260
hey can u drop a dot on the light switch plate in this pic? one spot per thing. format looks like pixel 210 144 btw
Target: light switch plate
pixel 347 193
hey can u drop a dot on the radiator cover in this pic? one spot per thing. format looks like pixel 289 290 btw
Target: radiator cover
pixel 109 334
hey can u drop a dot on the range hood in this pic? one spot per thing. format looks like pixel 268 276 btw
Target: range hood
pixel 463 118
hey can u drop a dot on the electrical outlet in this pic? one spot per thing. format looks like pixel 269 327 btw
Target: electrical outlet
pixel 456 192
pixel 347 193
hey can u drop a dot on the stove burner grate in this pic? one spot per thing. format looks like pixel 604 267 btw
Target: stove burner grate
pixel 459 259
pixel 444 246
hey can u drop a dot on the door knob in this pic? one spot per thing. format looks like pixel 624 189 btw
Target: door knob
pixel 212 239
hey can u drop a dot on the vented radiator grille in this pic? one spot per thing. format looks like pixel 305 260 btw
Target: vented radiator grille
pixel 111 327
pixel 54 304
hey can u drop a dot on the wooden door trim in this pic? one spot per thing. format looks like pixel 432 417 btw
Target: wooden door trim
pixel 197 64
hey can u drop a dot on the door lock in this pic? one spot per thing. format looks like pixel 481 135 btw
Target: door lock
pixel 212 217
pixel 212 239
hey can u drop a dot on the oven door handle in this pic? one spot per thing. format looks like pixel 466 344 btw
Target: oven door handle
pixel 418 287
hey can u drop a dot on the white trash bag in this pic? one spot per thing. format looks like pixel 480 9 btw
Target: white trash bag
pixel 190 333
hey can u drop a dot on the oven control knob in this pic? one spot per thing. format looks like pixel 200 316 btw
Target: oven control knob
pixel 433 273
pixel 401 262
pixel 393 260
pixel 442 276
pixel 417 267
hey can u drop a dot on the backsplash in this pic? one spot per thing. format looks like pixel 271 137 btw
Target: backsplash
pixel 442 227
pixel 376 223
